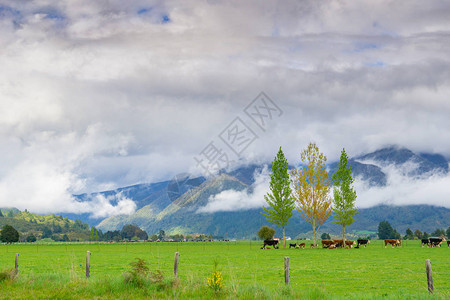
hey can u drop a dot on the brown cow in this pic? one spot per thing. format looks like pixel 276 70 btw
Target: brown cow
pixel 347 243
pixel 302 245
pixel 392 242
pixel 327 243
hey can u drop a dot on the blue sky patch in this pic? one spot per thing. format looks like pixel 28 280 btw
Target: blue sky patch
pixel 376 64
pixel 144 11
pixel 165 19
pixel 15 15
pixel 360 47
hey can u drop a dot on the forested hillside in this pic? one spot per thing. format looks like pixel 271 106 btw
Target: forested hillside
pixel 54 227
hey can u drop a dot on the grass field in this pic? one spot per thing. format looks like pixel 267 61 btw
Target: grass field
pixel 58 270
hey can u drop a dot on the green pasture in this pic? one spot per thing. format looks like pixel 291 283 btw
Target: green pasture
pixel 374 270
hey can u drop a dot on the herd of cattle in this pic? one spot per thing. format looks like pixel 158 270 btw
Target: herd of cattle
pixel 434 242
pixel 332 244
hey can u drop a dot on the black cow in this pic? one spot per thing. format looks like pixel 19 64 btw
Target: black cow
pixel 273 243
pixel 292 245
pixel 361 242
pixel 448 243
pixel 436 242
pixel 425 242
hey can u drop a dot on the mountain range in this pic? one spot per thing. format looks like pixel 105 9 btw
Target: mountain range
pixel 178 205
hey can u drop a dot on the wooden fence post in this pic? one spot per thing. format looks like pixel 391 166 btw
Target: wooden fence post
pixel 429 276
pixel 286 270
pixel 16 264
pixel 88 264
pixel 175 266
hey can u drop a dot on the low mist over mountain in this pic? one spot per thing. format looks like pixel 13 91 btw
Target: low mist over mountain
pixel 229 204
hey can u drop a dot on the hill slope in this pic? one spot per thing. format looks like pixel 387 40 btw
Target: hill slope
pixel 49 226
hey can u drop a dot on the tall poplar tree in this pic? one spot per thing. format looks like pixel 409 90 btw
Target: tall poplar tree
pixel 344 195
pixel 311 188
pixel 279 199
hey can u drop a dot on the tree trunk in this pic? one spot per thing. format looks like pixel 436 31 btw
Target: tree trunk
pixel 343 236
pixel 314 233
pixel 284 239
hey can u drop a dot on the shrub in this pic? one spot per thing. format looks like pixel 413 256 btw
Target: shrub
pixel 325 236
pixel 8 275
pixel 215 280
pixel 140 274
pixel 266 233
pixel 31 238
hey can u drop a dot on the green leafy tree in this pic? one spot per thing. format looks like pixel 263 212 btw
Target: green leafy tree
pixel 161 235
pixel 448 232
pixel 344 195
pixel 1 215
pixel 129 231
pixel 177 237
pixel 46 232
pixel 266 233
pixel 31 238
pixel 10 214
pixel 418 234
pixel 325 236
pixel 425 235
pixel 91 236
pixel 279 199
pixel 409 234
pixel 9 234
pixel 385 231
pixel 438 232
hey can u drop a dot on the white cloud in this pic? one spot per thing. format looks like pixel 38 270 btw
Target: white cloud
pixel 100 206
pixel 232 200
pixel 405 190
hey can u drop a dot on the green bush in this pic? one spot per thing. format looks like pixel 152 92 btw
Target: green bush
pixel 140 274
pixel 31 238
pixel 9 234
pixel 266 233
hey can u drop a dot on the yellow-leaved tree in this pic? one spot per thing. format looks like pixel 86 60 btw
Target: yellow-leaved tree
pixel 311 188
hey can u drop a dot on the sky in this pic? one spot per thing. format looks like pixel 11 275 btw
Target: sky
pixel 96 95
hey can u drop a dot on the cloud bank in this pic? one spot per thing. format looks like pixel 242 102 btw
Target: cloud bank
pixel 405 190
pixel 401 189
pixel 249 198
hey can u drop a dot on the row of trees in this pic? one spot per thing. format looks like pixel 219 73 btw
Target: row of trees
pixel 9 234
pixel 308 190
pixel 386 231
pixel 128 232
pixel 424 235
